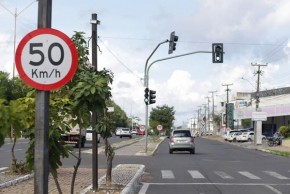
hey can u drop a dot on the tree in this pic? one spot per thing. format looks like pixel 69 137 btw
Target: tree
pixel 217 119
pixel 10 91
pixel 164 116
pixel 247 123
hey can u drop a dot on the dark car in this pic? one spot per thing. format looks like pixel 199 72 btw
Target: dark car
pixel 181 140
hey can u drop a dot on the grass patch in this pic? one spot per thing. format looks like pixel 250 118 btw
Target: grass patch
pixel 280 153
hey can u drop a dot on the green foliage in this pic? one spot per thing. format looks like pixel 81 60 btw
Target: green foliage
pixel 4 121
pixel 12 89
pixel 285 131
pixel 247 123
pixel 59 113
pixel 217 119
pixel 119 117
pixel 164 116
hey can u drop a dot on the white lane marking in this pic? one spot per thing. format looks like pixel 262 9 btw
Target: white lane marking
pixel 195 174
pixel 276 175
pixel 144 188
pixel 238 184
pixel 167 174
pixel 273 189
pixel 223 175
pixel 249 175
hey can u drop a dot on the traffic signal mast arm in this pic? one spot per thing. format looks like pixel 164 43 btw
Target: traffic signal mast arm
pixel 167 58
pixel 146 64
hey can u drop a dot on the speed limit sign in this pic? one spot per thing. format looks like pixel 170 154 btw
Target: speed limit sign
pixel 46 59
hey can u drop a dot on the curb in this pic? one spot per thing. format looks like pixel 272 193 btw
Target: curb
pixel 132 186
pixel 15 181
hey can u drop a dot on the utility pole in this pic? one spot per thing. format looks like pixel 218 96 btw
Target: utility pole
pixel 227 111
pixel 212 96
pixel 208 113
pixel 204 106
pixel 258 124
pixel 258 72
pixel 94 22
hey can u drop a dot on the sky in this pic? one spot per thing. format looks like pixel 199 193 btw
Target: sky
pixel 252 32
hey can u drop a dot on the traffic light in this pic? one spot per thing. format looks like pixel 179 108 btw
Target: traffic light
pixel 172 42
pixel 152 97
pixel 146 95
pixel 217 53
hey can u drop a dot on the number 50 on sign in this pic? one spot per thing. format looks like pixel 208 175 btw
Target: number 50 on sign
pixel 46 59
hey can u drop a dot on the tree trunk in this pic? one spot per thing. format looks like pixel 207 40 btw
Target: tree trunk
pixel 109 151
pixel 79 159
pixel 14 160
pixel 54 175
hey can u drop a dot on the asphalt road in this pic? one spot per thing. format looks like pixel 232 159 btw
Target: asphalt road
pixel 216 168
pixel 22 145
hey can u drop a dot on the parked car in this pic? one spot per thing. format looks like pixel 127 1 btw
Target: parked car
pixel 181 140
pixel 118 131
pixel 134 132
pixel 125 132
pixel 228 133
pixel 89 135
pixel 248 136
pixel 233 136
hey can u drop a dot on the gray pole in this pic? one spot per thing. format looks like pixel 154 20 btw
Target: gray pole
pixel 94 23
pixel 208 114
pixel 146 79
pixel 212 92
pixel 204 106
pixel 41 152
pixel 146 84
pixel 257 102
pixel 227 116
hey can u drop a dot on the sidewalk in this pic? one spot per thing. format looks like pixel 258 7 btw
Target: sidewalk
pixel 250 145
pixel 125 177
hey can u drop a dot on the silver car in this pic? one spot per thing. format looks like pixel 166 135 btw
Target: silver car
pixel 181 140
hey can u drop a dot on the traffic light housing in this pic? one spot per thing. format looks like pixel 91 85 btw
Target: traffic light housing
pixel 146 95
pixel 152 96
pixel 217 53
pixel 172 42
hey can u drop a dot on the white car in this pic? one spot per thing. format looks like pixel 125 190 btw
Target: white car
pixel 125 132
pixel 245 136
pixel 227 134
pixel 134 132
pixel 118 131
pixel 89 135
pixel 233 136
pixel 248 136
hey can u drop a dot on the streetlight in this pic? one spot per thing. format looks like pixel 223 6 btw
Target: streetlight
pixel 248 81
pixel 15 14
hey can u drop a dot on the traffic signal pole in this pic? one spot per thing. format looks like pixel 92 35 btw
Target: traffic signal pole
pixel 146 78
pixel 146 83
pixel 146 86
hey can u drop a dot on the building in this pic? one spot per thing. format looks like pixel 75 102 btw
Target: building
pixel 275 102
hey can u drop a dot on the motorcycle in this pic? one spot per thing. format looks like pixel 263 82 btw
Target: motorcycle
pixel 274 141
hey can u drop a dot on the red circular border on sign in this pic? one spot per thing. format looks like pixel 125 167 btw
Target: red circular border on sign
pixel 61 82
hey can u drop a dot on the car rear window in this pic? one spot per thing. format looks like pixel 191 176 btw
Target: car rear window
pixel 125 129
pixel 181 134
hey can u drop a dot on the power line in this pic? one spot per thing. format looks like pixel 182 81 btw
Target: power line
pixel 195 42
pixel 119 60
